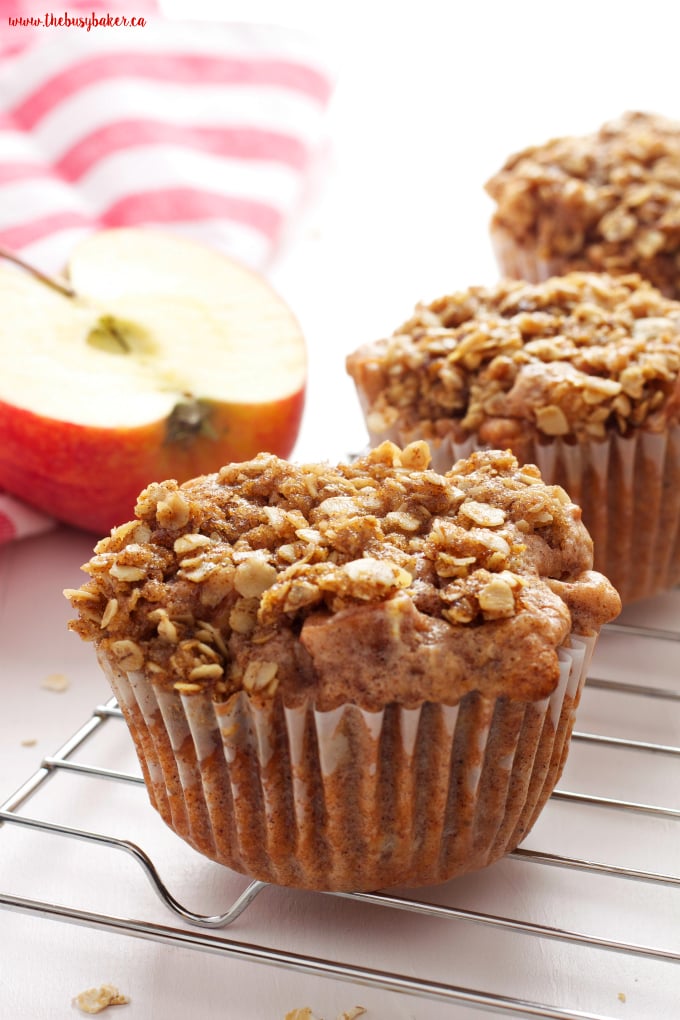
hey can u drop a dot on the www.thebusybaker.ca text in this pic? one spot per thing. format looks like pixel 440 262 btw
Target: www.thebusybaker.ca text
pixel 77 21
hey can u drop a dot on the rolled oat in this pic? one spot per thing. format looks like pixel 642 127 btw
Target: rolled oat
pixel 608 201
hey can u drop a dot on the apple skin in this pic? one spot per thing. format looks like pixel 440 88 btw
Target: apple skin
pixel 90 477
pixel 153 358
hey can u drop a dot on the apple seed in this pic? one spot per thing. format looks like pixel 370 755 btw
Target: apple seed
pixel 116 336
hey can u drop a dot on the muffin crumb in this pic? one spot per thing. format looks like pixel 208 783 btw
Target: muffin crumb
pixel 95 1000
pixel 56 682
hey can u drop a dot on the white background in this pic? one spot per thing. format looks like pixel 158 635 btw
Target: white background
pixel 431 97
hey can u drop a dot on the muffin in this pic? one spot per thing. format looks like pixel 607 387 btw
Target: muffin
pixel 607 202
pixel 349 677
pixel 579 375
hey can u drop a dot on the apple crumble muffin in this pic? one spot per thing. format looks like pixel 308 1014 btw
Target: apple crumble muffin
pixel 608 202
pixel 578 374
pixel 349 676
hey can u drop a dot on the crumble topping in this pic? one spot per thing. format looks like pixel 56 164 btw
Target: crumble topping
pixel 608 201
pixel 375 576
pixel 574 356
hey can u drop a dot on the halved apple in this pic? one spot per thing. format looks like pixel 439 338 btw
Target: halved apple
pixel 157 358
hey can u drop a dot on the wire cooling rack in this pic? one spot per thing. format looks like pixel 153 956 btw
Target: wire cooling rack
pixel 638 688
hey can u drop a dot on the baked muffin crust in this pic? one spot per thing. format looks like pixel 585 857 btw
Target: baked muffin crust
pixel 609 201
pixel 372 582
pixel 575 356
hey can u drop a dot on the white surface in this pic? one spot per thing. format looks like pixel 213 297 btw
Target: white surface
pixel 425 111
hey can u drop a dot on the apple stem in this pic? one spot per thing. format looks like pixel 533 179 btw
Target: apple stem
pixel 51 281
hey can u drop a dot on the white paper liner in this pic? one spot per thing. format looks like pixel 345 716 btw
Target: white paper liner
pixel 627 488
pixel 350 799
pixel 521 263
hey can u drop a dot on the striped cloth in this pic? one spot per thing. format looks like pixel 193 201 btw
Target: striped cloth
pixel 210 130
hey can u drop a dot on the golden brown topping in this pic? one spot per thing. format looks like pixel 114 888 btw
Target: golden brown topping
pixel 573 356
pixel 125 573
pixel 552 420
pixel 259 674
pixel 281 549
pixel 609 201
pixel 109 613
pixel 173 511
pixel 369 578
pixel 243 616
pixel 206 671
pixel 188 543
pixel 128 653
pixel 481 513
pixel 165 627
pixel 254 575
pixel 496 599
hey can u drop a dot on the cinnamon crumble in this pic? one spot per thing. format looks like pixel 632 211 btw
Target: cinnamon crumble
pixel 269 576
pixel 575 357
pixel 609 201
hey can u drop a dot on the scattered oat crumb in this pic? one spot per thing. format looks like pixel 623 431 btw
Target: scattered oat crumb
pixel 55 682
pixel 621 996
pixel 94 1000
pixel 29 742
pixel 305 1013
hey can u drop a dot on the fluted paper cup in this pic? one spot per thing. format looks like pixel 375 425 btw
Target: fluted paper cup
pixel 519 262
pixel 351 799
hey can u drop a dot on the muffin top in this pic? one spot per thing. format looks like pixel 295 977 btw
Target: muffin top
pixel 372 582
pixel 607 201
pixel 575 356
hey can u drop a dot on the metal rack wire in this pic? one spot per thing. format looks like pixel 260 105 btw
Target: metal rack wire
pixel 201 933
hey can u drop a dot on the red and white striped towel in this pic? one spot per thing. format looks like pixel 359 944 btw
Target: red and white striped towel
pixel 211 130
